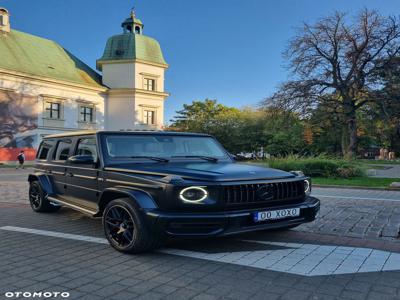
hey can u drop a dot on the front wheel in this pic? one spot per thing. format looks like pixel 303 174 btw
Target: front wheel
pixel 126 230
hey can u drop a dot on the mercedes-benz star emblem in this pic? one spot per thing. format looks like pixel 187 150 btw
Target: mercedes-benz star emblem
pixel 265 192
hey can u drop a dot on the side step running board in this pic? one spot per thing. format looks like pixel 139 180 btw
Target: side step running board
pixel 73 206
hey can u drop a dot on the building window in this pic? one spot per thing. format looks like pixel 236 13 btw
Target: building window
pixel 86 114
pixel 53 110
pixel 149 84
pixel 149 117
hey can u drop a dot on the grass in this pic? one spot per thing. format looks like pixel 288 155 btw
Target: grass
pixel 356 181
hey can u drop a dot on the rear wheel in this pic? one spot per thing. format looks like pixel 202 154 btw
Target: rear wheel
pixel 126 230
pixel 38 199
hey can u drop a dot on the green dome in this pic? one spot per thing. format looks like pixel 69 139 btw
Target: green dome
pixel 130 46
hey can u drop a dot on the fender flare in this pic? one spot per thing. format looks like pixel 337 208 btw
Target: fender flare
pixel 141 199
pixel 44 182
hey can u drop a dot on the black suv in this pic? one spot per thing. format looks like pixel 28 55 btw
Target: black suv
pixel 148 186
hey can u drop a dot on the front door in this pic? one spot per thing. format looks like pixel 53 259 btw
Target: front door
pixel 82 179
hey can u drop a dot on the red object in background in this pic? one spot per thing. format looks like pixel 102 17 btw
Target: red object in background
pixel 10 154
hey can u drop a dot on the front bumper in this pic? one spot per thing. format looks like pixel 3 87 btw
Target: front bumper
pixel 226 223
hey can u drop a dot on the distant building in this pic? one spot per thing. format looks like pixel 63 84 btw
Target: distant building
pixel 44 89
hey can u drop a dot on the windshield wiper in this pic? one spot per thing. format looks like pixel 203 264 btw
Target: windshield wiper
pixel 160 159
pixel 209 158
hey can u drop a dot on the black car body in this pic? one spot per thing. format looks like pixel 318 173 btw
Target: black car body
pixel 165 196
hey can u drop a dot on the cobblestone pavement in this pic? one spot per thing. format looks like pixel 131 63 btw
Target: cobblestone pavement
pixel 88 270
pixel 345 213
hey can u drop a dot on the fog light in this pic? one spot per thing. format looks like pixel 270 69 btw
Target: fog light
pixel 193 194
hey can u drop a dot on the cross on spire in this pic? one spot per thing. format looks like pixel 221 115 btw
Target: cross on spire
pixel 133 15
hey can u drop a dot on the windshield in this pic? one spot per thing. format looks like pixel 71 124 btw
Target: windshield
pixel 152 146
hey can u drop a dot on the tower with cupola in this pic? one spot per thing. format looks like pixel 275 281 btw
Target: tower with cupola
pixel 133 68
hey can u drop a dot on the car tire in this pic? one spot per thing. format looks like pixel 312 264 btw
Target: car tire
pixel 38 199
pixel 126 229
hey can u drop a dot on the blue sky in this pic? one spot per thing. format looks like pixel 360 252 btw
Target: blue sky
pixel 228 50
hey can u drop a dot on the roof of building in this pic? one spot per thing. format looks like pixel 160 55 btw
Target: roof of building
pixel 37 56
pixel 131 46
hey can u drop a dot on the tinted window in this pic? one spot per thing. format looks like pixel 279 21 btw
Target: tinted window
pixel 87 146
pixel 126 146
pixel 44 149
pixel 62 151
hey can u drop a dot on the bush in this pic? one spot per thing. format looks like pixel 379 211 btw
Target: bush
pixel 317 166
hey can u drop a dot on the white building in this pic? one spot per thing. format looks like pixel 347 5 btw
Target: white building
pixel 45 89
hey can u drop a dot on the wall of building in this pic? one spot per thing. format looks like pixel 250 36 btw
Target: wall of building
pixel 23 120
pixel 127 98
pixel 120 107
pixel 151 71
pixel 119 75
pixel 148 102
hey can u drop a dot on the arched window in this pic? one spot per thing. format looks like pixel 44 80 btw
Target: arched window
pixel 137 29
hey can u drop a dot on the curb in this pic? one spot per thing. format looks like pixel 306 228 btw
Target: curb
pixel 356 187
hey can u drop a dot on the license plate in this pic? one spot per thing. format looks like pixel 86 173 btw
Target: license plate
pixel 276 214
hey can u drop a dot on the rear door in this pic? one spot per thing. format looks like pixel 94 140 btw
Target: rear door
pixel 82 179
pixel 57 169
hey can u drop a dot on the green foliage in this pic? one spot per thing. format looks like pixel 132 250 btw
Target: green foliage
pixel 317 166
pixel 277 131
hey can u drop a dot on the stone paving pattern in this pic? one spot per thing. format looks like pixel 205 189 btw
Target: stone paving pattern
pixel 339 217
pixel 95 271
pixel 302 259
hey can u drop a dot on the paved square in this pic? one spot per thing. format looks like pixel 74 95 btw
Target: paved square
pixel 333 258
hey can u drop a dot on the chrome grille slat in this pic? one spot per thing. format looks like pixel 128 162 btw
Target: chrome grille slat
pixel 247 193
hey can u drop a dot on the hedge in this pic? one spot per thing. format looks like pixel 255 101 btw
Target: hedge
pixel 318 167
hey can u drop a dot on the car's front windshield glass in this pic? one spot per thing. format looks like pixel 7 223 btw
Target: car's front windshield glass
pixel 140 146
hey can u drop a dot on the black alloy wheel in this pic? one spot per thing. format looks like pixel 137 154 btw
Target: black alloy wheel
pixel 126 229
pixel 38 199
pixel 119 226
pixel 34 197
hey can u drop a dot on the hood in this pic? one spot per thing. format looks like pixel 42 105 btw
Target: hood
pixel 204 171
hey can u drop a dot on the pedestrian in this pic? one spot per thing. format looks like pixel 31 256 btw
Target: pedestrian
pixel 21 159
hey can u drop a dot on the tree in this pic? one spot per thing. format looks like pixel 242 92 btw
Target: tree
pixel 209 117
pixel 386 110
pixel 277 131
pixel 334 62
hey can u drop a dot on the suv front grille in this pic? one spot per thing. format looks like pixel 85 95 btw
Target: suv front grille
pixel 265 193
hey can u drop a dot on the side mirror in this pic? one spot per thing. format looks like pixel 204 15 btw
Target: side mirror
pixel 81 160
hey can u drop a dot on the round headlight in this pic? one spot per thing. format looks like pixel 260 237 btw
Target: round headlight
pixel 193 194
pixel 307 186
